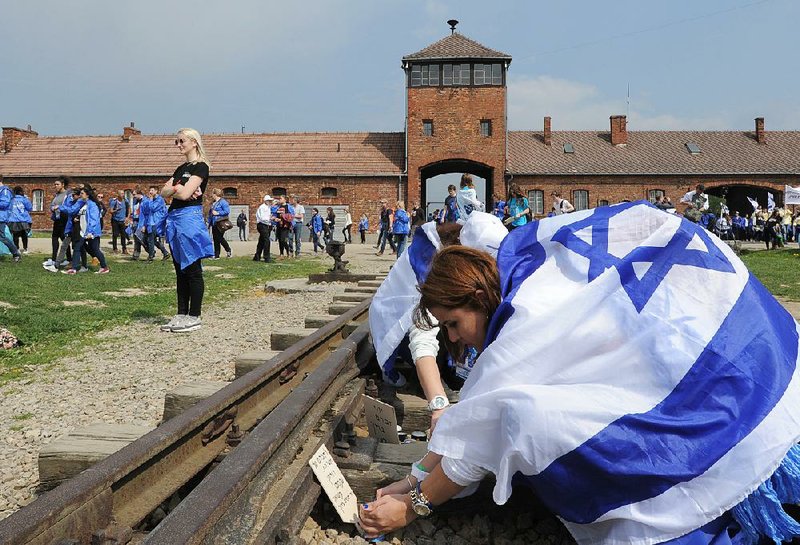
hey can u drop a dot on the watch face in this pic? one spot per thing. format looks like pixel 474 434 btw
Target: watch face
pixel 438 402
pixel 421 509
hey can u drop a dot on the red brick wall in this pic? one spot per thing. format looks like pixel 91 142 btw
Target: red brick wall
pixel 362 194
pixel 456 113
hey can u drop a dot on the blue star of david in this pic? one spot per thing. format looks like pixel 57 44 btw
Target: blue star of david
pixel 662 258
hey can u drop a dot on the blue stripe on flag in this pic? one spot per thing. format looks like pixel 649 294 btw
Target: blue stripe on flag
pixel 420 254
pixel 519 256
pixel 733 385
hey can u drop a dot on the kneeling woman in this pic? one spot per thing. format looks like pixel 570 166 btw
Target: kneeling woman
pixel 636 413
pixel 187 235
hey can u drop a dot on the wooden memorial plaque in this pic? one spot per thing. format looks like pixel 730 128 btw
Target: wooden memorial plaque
pixel 335 485
pixel 381 420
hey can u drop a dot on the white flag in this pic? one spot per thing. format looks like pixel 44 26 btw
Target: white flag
pixel 753 203
pixel 791 195
pixel 770 202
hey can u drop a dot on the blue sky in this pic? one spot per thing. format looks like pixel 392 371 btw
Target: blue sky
pixel 91 67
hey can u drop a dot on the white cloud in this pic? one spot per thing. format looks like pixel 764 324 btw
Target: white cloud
pixel 574 105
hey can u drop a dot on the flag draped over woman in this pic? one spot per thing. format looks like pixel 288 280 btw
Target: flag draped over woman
pixel 637 375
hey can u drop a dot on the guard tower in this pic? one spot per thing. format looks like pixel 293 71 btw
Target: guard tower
pixel 455 113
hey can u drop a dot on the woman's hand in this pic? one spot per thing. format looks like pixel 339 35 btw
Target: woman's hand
pixel 403 486
pixel 214 212
pixel 386 514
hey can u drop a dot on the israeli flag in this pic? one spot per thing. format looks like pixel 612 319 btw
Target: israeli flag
pixel 753 203
pixel 636 374
pixel 392 308
pixel 770 202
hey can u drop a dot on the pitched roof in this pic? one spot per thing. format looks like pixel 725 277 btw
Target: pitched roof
pixel 654 152
pixel 308 154
pixel 456 46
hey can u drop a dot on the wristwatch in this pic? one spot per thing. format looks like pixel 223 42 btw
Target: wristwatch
pixel 438 402
pixel 419 503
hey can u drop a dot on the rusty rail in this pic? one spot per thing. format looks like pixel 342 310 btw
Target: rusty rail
pixel 264 487
pixel 104 503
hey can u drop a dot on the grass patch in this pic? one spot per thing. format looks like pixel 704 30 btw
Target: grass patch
pixel 23 416
pixel 134 291
pixel 778 270
pixel 17 427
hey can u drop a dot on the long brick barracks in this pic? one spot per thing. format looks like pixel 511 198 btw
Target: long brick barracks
pixel 456 121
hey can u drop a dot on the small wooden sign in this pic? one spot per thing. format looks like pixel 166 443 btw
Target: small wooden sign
pixel 335 485
pixel 381 420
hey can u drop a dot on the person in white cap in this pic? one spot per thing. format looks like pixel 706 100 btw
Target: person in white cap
pixel 264 227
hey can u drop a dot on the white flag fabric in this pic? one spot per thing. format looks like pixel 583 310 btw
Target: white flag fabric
pixel 791 195
pixel 635 375
pixel 392 307
pixel 753 203
pixel 770 202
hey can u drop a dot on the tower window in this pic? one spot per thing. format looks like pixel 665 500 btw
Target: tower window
pixel 38 200
pixel 486 127
pixel 328 192
pixel 278 191
pixel 654 194
pixel 230 192
pixel 427 127
pixel 488 74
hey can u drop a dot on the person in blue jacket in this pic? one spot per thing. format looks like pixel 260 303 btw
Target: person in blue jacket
pixel 220 210
pixel 5 210
pixel 119 212
pixel 153 219
pixel 69 209
pixel 316 230
pixel 89 231
pixel 363 227
pixel 400 227
pixel 19 220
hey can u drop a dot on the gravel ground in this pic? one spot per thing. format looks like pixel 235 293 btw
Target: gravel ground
pixel 125 378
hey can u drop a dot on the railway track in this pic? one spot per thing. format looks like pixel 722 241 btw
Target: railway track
pixel 233 467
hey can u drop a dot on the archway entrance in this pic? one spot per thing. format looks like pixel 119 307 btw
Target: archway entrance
pixel 736 196
pixel 433 192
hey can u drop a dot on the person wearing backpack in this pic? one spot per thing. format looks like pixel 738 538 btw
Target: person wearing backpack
pixel 561 205
pixel 518 208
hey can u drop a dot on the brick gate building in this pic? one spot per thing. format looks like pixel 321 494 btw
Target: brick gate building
pixel 456 121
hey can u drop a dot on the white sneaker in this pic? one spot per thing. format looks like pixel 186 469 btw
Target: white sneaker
pixel 187 324
pixel 83 269
pixel 51 268
pixel 48 262
pixel 173 322
pixel 64 263
pixel 25 252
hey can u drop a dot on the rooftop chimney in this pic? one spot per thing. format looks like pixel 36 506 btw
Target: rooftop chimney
pixel 761 138
pixel 13 135
pixel 127 132
pixel 548 137
pixel 619 130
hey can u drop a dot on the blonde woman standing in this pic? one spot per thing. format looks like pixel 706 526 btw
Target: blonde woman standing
pixel 187 234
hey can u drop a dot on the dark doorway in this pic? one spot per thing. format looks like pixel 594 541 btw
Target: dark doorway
pixel 483 174
pixel 736 196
